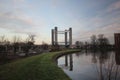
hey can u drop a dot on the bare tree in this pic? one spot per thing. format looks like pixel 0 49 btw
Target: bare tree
pixel 99 42
pixel 93 42
pixel 16 39
pixel 16 44
pixel 81 44
pixel 77 43
pixel 93 39
pixel 31 38
pixel 2 43
pixel 44 46
pixel 102 41
pixel 29 43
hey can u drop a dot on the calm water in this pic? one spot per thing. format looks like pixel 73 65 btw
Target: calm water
pixel 91 65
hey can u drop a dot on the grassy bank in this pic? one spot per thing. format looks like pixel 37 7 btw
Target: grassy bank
pixel 39 67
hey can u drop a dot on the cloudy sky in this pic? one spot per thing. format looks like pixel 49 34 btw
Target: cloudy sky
pixel 38 17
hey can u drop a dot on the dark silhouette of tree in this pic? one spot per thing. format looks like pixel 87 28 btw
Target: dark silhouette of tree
pixel 16 41
pixel 103 42
pixel 55 47
pixel 4 43
pixel 29 43
pixel 31 38
pixel 77 43
pixel 44 46
pixel 93 41
pixel 100 42
pixel 81 44
pixel 86 45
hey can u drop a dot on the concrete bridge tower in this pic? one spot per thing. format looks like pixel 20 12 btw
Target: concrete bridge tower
pixel 68 39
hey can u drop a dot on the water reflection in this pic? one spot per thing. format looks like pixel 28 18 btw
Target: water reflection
pixel 92 65
pixel 117 57
pixel 68 62
pixel 71 62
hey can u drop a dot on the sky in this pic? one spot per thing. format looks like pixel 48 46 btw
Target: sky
pixel 86 17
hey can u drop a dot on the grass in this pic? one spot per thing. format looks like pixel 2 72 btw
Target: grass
pixel 39 67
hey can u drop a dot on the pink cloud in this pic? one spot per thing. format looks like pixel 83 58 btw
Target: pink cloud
pixel 18 17
pixel 114 6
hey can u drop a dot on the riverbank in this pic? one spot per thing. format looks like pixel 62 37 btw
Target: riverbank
pixel 39 67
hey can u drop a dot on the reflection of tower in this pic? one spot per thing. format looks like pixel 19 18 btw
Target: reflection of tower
pixel 66 60
pixel 70 62
pixel 117 57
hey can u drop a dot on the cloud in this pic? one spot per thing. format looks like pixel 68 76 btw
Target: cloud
pixel 106 16
pixel 19 22
pixel 107 30
pixel 14 16
pixel 105 21
pixel 9 16
pixel 114 6
pixel 16 2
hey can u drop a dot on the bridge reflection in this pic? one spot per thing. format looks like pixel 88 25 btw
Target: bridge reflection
pixel 69 63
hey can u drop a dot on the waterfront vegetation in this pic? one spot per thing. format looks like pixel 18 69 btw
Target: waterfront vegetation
pixel 39 67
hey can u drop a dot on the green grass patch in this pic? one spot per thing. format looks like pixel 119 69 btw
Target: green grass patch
pixel 39 67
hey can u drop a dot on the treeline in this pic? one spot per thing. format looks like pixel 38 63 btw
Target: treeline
pixel 17 48
pixel 16 45
pixel 96 42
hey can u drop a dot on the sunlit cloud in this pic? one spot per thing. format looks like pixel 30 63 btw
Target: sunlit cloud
pixel 10 20
pixel 114 6
pixel 107 30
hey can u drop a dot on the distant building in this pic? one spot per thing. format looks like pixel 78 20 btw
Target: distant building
pixel 117 46
pixel 117 40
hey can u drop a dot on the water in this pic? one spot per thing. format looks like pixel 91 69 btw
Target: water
pixel 91 65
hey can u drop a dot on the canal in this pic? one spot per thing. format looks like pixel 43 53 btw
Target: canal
pixel 102 65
